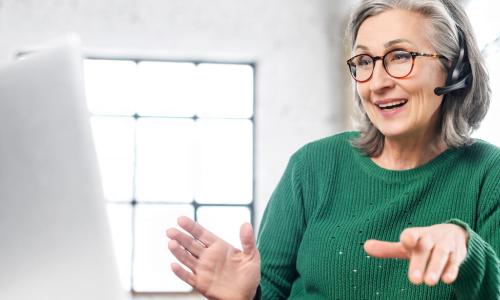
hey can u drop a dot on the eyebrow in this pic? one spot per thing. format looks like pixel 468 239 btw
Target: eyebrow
pixel 397 41
pixel 388 44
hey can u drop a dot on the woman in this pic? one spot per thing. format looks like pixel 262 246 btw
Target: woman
pixel 409 207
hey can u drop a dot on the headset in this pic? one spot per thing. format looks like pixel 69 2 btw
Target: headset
pixel 460 75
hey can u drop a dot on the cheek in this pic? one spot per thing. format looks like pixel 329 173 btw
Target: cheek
pixel 421 86
pixel 363 92
pixel 433 76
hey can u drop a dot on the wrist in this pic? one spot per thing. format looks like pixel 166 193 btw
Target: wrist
pixel 464 228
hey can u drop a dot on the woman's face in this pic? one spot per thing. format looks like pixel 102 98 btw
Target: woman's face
pixel 419 112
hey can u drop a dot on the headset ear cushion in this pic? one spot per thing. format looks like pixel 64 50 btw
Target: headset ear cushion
pixel 459 74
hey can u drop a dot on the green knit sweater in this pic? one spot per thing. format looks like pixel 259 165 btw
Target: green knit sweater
pixel 331 199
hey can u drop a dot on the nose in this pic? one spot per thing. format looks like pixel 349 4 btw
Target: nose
pixel 380 80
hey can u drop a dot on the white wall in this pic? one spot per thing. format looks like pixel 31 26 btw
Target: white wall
pixel 297 46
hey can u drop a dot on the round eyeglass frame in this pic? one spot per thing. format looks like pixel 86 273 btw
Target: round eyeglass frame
pixel 382 58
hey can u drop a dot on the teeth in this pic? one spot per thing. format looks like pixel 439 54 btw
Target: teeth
pixel 391 103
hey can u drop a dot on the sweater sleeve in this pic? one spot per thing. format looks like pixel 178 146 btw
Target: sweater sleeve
pixel 479 275
pixel 280 234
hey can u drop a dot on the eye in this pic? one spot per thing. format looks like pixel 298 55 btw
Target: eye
pixel 398 56
pixel 363 61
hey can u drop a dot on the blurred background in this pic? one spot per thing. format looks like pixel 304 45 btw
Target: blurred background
pixel 197 105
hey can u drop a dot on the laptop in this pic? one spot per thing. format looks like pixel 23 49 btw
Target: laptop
pixel 55 240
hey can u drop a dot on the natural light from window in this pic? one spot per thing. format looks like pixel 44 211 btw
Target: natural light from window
pixel 485 18
pixel 172 139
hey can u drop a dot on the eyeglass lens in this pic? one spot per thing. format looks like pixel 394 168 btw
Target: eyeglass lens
pixel 397 63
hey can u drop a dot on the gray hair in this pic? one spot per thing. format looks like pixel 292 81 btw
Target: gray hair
pixel 461 111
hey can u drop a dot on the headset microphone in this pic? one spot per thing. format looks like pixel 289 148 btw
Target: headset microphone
pixel 460 74
pixel 453 87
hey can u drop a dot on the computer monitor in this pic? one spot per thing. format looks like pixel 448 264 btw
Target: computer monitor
pixel 54 234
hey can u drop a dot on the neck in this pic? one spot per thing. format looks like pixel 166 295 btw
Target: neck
pixel 403 153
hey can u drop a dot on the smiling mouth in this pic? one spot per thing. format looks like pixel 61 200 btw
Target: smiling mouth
pixel 392 105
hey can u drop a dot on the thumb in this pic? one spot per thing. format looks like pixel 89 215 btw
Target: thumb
pixel 247 239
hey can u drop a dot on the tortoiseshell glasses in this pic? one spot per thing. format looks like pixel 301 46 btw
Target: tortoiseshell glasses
pixel 397 63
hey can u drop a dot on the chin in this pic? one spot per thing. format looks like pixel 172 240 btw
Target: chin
pixel 393 132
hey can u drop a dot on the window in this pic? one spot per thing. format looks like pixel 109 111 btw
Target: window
pixel 485 19
pixel 172 138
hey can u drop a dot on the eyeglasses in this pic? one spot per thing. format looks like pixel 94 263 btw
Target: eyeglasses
pixel 397 63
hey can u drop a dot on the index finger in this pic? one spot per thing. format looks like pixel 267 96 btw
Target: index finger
pixel 383 249
pixel 197 231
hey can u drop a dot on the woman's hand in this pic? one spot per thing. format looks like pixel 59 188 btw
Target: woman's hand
pixel 434 252
pixel 217 269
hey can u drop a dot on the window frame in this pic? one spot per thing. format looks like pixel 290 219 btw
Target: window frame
pixel 132 203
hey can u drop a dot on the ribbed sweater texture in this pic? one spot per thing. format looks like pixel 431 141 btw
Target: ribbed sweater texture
pixel 332 198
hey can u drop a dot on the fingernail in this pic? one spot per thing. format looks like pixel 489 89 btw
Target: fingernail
pixel 433 277
pixel 449 276
pixel 416 274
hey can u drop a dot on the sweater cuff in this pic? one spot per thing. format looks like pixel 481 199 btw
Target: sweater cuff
pixel 472 268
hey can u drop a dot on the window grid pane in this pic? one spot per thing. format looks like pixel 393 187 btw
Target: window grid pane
pixel 224 90
pixel 166 89
pixel 114 142
pixel 225 221
pixel 152 259
pixel 161 128
pixel 110 87
pixel 120 219
pixel 163 167
pixel 226 150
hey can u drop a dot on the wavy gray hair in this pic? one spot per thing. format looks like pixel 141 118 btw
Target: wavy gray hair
pixel 461 111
